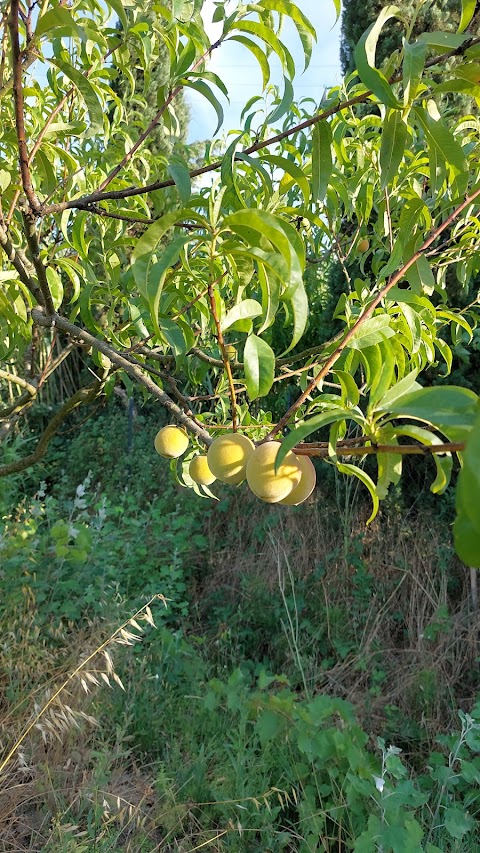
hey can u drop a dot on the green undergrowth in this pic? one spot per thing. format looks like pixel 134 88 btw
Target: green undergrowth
pixel 311 685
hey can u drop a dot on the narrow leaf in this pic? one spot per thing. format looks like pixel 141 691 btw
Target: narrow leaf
pixel 394 137
pixel 322 164
pixel 259 362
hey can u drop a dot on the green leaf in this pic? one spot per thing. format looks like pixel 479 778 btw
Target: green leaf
pixel 441 139
pixel 178 170
pixel 466 537
pixel 442 42
pixel 350 393
pixel 268 36
pixel 303 430
pixel 355 471
pixel 87 91
pixel 295 172
pixel 322 164
pixel 394 137
pixel 407 384
pixel 389 469
pixel 299 302
pixel 443 406
pixel 444 463
pixel 149 242
pixel 56 287
pixel 255 225
pixel 372 331
pixel 365 60
pixel 413 65
pixel 468 11
pixel 258 54
pixel 467 524
pixel 56 18
pixel 205 90
pixel 259 362
pixel 285 103
pixel 305 29
pixel 457 823
pixel 245 310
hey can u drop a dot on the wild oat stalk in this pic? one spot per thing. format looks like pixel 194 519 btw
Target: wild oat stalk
pixel 121 635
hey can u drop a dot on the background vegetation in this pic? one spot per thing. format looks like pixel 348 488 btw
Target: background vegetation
pixel 300 691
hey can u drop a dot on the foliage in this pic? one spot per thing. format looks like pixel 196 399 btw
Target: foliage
pixel 99 254
pixel 439 15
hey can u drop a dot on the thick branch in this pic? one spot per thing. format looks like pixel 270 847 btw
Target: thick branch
pixel 368 312
pixel 133 370
pixel 85 202
pixel 84 395
pixel 32 240
pixel 17 66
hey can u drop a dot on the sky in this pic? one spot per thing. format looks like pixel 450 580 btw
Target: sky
pixel 241 75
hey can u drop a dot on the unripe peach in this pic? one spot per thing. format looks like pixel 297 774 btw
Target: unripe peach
pixel 200 472
pixel 228 456
pixel 266 483
pixel 171 442
pixel 306 485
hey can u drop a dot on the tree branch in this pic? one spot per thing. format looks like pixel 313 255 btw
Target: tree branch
pixel 225 359
pixel 18 380
pixel 19 108
pixel 154 122
pixel 133 370
pixel 40 269
pixel 84 395
pixel 368 312
pixel 321 449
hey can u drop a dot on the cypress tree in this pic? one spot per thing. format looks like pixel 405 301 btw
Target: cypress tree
pixel 358 15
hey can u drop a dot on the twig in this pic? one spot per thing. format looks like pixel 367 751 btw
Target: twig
pixel 171 96
pixel 19 108
pixel 189 304
pixel 137 373
pixel 171 381
pixel 18 380
pixel 368 312
pixel 225 358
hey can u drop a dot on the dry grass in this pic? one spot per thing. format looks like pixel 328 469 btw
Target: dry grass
pixel 418 621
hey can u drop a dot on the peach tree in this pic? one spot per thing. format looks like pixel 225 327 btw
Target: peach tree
pixel 198 292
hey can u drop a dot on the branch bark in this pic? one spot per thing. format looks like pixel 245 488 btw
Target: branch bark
pixel 137 373
pixel 84 395
pixel 321 449
pixel 17 66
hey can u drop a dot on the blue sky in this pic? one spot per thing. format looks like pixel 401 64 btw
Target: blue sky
pixel 238 70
